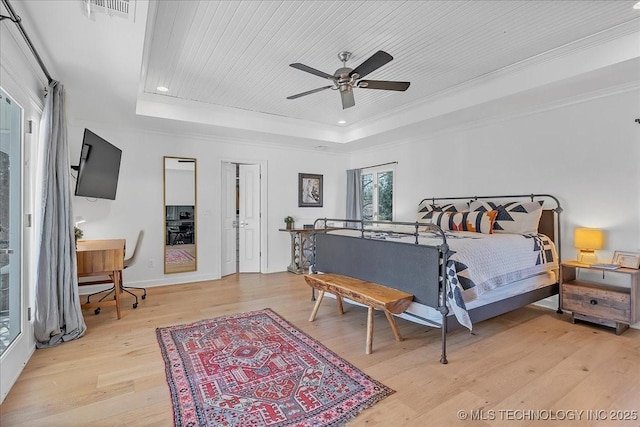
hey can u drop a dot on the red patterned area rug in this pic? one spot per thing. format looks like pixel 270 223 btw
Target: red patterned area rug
pixel 257 369
pixel 178 256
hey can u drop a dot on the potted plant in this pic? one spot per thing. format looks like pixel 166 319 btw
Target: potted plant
pixel 288 220
pixel 78 234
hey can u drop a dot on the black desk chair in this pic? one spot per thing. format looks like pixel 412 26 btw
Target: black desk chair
pixel 127 263
pixel 184 235
pixel 172 234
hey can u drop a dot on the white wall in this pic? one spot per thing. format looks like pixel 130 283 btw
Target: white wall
pixel 138 203
pixel 587 154
pixel 179 186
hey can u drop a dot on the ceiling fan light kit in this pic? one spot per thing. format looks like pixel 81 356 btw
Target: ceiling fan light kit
pixel 345 79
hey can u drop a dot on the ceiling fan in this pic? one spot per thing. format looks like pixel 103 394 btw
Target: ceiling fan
pixel 345 79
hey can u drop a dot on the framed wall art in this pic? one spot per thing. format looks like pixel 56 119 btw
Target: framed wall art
pixel 309 190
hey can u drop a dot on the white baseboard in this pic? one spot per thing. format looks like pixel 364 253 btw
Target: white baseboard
pixel 89 289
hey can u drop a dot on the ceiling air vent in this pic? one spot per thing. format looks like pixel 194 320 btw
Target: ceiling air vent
pixel 119 8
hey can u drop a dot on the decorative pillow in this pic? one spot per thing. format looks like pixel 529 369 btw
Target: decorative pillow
pixel 513 217
pixel 426 209
pixel 479 221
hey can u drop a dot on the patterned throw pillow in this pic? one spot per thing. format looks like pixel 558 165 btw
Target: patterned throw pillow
pixel 479 221
pixel 426 209
pixel 513 217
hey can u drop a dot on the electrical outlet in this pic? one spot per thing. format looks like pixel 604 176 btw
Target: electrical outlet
pixel 151 263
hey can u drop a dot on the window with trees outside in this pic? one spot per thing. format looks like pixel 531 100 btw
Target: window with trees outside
pixel 377 193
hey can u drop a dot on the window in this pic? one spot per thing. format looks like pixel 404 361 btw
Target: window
pixel 377 193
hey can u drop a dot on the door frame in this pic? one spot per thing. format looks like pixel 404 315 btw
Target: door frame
pixel 263 208
pixel 227 184
pixel 22 348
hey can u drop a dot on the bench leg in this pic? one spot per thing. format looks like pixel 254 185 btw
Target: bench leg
pixel 317 306
pixel 339 301
pixel 369 346
pixel 394 327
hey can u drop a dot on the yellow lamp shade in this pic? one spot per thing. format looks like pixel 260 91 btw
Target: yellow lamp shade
pixel 588 238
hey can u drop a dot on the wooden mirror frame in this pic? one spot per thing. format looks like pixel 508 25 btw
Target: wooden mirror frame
pixel 179 213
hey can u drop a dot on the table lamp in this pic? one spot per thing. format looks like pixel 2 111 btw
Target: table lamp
pixel 588 240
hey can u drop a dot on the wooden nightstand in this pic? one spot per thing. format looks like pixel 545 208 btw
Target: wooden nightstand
pixel 604 304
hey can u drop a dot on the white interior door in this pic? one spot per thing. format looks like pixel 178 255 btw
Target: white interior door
pixel 249 219
pixel 229 222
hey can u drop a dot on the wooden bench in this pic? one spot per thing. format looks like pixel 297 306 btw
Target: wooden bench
pixel 370 294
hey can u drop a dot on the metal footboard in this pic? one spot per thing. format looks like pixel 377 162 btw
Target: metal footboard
pixel 411 267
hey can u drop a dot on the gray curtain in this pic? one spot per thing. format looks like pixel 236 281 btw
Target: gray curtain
pixel 354 196
pixel 58 316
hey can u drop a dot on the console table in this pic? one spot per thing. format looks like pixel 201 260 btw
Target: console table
pixel 102 258
pixel 301 240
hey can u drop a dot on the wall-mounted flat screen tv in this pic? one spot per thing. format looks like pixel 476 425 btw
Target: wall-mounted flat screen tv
pixel 98 169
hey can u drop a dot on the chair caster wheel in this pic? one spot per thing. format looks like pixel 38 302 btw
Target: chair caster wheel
pixel 144 296
pixel 135 305
pixel 97 311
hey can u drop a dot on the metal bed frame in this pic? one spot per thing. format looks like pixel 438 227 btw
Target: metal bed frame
pixel 415 268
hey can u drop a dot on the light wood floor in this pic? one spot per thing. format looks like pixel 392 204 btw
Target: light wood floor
pixel 531 359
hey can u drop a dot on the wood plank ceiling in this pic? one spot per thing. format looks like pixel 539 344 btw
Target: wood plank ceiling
pixel 237 53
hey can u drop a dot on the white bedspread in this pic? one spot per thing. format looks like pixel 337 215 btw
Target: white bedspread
pixel 478 262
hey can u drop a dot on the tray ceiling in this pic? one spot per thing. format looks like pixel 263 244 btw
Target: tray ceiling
pixel 226 63
pixel 237 54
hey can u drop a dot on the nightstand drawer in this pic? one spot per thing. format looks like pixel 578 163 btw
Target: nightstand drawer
pixel 597 302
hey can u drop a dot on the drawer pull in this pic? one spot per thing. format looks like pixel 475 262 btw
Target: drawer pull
pixel 593 302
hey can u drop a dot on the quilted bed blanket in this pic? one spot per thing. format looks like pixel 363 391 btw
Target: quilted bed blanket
pixel 478 263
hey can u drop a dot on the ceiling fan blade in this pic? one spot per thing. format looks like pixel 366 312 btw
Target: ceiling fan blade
pixel 308 69
pixel 309 92
pixel 384 85
pixel 374 62
pixel 347 99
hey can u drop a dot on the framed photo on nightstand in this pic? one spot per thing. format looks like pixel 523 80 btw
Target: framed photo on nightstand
pixel 626 259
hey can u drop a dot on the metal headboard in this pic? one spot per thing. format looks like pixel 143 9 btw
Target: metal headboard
pixel 549 222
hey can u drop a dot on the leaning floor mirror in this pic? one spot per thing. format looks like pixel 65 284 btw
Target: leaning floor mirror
pixel 180 237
